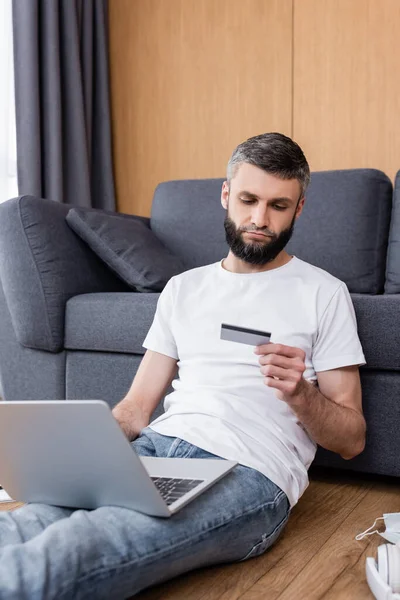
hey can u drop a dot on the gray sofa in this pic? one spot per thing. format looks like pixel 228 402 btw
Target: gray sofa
pixel 70 328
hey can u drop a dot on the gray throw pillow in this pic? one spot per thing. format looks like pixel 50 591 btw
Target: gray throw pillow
pixel 127 246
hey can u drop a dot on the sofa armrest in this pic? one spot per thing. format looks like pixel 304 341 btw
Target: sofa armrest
pixel 43 263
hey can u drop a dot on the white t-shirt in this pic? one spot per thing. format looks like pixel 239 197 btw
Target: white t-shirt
pixel 220 402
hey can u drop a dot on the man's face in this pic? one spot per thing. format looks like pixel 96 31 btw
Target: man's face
pixel 259 202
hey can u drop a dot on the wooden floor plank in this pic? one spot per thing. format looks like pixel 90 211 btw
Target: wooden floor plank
pixel 342 554
pixel 352 582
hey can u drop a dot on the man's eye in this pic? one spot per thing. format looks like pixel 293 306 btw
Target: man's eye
pixel 276 206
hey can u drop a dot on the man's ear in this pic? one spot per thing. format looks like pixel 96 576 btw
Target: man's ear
pixel 300 206
pixel 225 195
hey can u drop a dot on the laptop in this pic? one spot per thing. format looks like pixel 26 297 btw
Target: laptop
pixel 73 453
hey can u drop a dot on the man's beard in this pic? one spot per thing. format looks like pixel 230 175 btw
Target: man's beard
pixel 256 253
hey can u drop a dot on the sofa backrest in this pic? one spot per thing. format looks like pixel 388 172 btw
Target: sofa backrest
pixel 343 229
pixel 392 283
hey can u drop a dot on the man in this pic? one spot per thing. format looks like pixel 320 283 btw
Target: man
pixel 265 409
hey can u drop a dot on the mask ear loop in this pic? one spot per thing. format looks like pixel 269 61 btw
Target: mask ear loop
pixel 360 536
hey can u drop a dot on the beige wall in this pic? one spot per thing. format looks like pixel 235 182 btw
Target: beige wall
pixel 190 79
pixel 346 101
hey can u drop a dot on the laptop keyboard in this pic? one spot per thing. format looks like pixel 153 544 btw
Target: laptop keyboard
pixel 172 488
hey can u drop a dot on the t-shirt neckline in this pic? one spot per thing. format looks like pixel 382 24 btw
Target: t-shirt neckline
pixel 225 273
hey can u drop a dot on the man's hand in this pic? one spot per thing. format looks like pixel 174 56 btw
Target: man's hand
pixel 283 368
pixel 335 420
pixel 151 381
pixel 130 418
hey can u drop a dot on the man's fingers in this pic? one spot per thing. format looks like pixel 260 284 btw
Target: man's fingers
pixel 285 374
pixel 273 371
pixel 281 349
pixel 276 359
pixel 281 361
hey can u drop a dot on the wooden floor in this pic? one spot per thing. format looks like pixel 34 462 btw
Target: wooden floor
pixel 315 557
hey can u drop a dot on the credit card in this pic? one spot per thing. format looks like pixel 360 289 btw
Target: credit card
pixel 244 335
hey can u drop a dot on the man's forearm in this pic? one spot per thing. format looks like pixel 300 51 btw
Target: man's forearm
pixel 131 418
pixel 332 426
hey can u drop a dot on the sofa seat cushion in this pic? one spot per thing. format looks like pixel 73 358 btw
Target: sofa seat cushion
pixel 119 322
pixel 109 322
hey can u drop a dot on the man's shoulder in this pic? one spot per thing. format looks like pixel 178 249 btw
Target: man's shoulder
pixel 311 273
pixel 194 274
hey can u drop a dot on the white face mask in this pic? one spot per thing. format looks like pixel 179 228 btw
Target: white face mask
pixel 392 531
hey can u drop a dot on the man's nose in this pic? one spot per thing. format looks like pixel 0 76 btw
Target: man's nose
pixel 260 217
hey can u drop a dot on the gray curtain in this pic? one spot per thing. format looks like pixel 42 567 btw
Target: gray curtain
pixel 62 101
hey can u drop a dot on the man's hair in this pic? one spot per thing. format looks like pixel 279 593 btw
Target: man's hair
pixel 276 154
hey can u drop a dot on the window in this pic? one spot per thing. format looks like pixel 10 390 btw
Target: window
pixel 8 148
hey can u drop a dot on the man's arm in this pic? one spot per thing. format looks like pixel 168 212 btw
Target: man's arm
pixel 154 375
pixel 332 414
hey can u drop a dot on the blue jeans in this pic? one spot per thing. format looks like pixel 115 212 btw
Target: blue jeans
pixel 51 552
